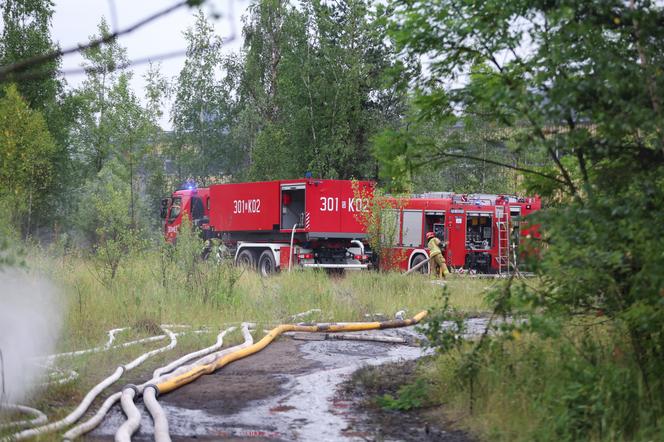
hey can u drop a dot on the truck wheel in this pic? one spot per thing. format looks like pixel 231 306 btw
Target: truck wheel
pixel 266 264
pixel 246 259
pixel 418 259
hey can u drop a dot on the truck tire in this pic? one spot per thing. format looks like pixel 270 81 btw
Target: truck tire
pixel 418 259
pixel 246 258
pixel 266 263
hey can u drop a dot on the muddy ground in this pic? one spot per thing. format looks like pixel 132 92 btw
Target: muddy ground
pixel 426 422
pixel 292 390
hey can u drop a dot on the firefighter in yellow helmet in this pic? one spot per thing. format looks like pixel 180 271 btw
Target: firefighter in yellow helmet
pixel 436 255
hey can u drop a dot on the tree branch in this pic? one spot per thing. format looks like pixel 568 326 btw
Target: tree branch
pixel 441 155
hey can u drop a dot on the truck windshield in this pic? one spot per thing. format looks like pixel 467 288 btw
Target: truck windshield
pixel 175 209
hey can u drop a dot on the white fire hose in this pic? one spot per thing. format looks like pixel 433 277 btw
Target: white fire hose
pixel 158 415
pixel 75 415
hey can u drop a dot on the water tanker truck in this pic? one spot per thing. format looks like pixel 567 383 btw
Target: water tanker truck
pixel 277 225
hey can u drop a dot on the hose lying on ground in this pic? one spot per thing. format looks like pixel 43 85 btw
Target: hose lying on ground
pixel 150 397
pixel 92 394
pixel 38 419
pixel 150 392
pixel 161 431
pixel 133 415
pixel 196 372
pixel 95 420
pixel 107 346
pixel 353 337
pixel 185 374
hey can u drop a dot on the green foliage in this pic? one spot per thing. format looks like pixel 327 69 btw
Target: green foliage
pixel 380 219
pixel 409 396
pixel 11 248
pixel 25 34
pixel 445 325
pixel 313 90
pixel 465 156
pixel 104 217
pixel 577 87
pixel 113 127
pixel 203 108
pixel 27 153
pixel 581 387
pixel 94 133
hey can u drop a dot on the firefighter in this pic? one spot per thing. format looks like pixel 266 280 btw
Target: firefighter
pixel 436 254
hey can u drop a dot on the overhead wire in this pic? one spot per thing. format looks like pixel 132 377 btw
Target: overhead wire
pixel 24 64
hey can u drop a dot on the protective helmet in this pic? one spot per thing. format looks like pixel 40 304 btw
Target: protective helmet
pixel 430 235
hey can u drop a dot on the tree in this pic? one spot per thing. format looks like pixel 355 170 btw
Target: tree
pixel 93 133
pixel 157 91
pixel 469 155
pixel 202 107
pixel 113 125
pixel 313 77
pixel 26 161
pixel 25 34
pixel 105 219
pixel 132 130
pixel 581 83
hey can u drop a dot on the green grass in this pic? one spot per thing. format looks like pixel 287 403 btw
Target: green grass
pixel 212 297
pixel 564 389
pixel 151 288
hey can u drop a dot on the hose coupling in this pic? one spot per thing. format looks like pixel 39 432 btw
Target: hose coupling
pixel 133 387
pixel 156 389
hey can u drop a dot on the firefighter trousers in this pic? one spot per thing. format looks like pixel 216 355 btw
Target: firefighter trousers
pixel 440 266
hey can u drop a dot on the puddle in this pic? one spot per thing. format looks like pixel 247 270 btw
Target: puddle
pixel 184 422
pixel 309 410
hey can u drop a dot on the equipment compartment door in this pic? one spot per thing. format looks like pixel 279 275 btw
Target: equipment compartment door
pixel 324 204
pixel 456 228
pixel 293 206
pixel 412 228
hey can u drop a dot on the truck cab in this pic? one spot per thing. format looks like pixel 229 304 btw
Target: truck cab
pixel 192 202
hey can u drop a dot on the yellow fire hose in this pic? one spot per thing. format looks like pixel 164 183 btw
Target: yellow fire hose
pixel 196 372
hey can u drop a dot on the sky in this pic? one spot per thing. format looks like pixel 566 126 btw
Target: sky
pixel 74 21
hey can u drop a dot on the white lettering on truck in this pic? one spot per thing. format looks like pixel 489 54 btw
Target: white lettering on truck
pixel 331 204
pixel 246 206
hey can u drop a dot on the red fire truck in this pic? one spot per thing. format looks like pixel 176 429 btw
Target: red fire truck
pixel 482 231
pixel 278 224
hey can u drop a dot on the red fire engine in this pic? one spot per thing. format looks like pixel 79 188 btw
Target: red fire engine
pixel 482 231
pixel 314 223
pixel 278 224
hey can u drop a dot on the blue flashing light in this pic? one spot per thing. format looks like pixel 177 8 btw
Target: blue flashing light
pixel 308 175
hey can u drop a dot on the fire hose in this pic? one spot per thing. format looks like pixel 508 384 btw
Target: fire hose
pixel 196 372
pixel 39 418
pixel 174 375
pixel 418 266
pixel 93 393
pixel 161 425
pixel 188 374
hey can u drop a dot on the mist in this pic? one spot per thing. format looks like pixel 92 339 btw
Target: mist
pixel 30 322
